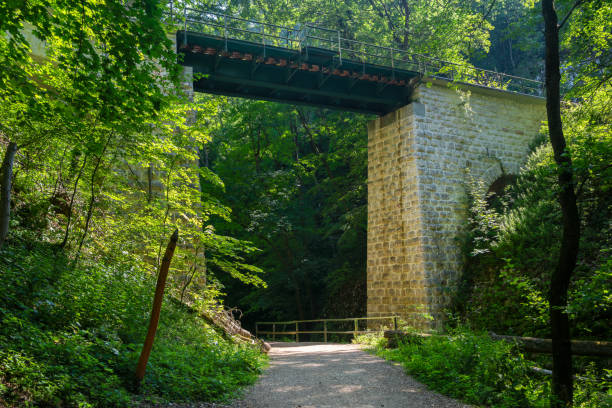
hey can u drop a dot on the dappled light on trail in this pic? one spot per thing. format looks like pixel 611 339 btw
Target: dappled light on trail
pixel 336 375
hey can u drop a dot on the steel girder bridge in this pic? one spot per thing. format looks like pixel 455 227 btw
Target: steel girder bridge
pixel 311 65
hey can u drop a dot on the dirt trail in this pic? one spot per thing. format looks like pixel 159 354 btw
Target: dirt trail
pixel 318 375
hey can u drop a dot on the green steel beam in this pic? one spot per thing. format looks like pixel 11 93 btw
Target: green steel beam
pixel 228 75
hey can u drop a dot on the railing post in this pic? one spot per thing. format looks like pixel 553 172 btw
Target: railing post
pixel 274 331
pixel 185 25
pixel 340 47
pixel 263 38
pixel 325 331
pixel 225 30
pixel 297 336
pixel 394 322
pixel 356 327
pixel 257 329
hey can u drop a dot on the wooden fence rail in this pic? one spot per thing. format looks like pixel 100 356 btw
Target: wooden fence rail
pixel 529 344
pixel 295 327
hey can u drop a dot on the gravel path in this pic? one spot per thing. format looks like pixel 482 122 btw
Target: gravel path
pixel 309 375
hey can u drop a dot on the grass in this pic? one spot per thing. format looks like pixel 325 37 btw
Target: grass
pixel 478 370
pixel 71 337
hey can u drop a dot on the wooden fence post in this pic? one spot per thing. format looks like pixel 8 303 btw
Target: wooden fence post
pixel 273 331
pixel 297 336
pixel 356 328
pixel 394 322
pixel 325 331
pixel 155 312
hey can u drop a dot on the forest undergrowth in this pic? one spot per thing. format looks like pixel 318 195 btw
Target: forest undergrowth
pixel 470 366
pixel 105 154
pixel 71 336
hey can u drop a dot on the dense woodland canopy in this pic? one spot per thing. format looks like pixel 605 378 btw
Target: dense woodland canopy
pixel 104 156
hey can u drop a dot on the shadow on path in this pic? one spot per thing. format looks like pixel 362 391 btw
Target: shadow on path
pixel 325 375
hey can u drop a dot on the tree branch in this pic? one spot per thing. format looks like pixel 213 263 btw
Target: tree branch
pixel 567 16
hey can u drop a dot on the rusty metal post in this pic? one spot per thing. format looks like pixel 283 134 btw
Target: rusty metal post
pixel 157 303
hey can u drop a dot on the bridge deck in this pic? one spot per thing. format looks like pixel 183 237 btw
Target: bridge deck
pixel 312 75
pixel 311 65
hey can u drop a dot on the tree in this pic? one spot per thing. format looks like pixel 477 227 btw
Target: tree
pixel 562 384
pixel 97 83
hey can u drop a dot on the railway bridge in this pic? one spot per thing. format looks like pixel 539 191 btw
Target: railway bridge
pixel 438 124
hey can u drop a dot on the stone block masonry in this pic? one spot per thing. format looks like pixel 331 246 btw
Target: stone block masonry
pixel 419 158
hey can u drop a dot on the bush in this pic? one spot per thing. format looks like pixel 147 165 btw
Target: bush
pixel 510 251
pixel 373 341
pixel 478 370
pixel 71 337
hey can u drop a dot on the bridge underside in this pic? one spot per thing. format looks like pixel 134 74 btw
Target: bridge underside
pixel 310 76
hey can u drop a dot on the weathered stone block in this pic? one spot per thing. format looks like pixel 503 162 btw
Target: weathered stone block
pixel 418 157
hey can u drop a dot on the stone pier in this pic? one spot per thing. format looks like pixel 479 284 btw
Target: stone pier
pixel 419 158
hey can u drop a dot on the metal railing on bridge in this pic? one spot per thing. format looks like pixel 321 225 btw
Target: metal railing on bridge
pixel 303 36
pixel 325 327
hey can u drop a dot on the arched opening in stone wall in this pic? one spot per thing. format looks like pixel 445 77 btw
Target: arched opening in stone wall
pixel 498 188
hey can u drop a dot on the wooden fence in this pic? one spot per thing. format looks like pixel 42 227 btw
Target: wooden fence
pixel 322 326
pixel 529 344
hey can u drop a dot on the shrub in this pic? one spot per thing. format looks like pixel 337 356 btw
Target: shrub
pixel 374 341
pixel 71 337
pixel 510 251
pixel 478 370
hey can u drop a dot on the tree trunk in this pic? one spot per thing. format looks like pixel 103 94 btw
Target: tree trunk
pixel 74 191
pixel 149 183
pixel 5 190
pixel 406 24
pixel 92 201
pixel 288 262
pixel 314 145
pixel 191 274
pixel 562 387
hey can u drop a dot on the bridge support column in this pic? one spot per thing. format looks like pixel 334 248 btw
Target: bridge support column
pixel 418 162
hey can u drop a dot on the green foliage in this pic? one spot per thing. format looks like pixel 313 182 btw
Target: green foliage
pixel 435 28
pixel 512 51
pixel 106 169
pixel 472 367
pixel 72 336
pixel 295 180
pixel 510 251
pixel 374 341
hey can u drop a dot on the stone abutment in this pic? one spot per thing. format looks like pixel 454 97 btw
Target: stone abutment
pixel 420 158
